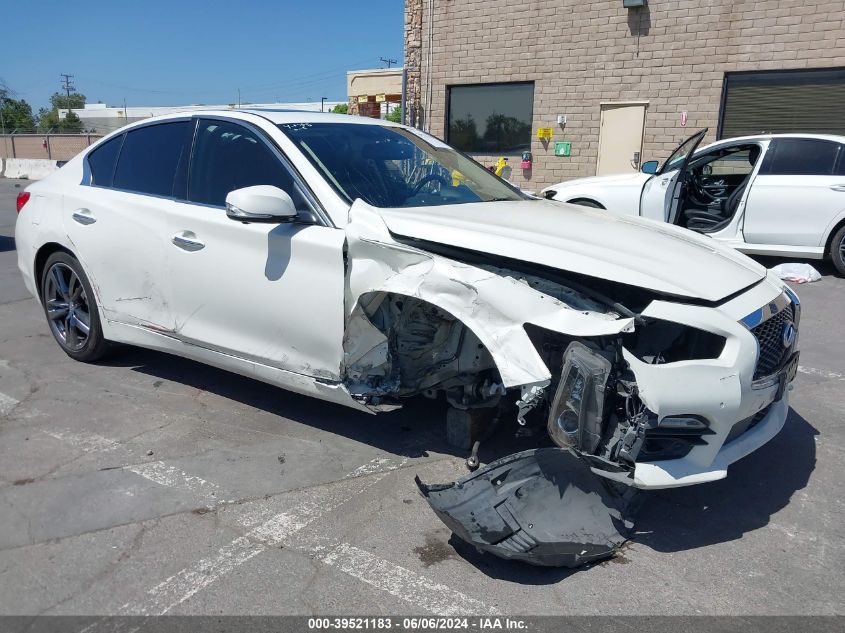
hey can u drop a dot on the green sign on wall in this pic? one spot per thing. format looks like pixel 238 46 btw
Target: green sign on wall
pixel 563 148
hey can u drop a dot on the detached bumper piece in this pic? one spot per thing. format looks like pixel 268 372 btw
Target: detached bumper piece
pixel 542 507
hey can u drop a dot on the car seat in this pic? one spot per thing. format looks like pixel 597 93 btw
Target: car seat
pixel 711 218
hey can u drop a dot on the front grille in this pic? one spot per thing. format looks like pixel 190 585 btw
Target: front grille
pixel 769 335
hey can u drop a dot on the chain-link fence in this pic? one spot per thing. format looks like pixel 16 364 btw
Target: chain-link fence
pixel 49 146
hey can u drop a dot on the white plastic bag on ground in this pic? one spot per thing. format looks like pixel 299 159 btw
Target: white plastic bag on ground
pixel 797 273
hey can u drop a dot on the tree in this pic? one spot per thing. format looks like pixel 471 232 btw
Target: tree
pixel 341 108
pixel 49 121
pixel 15 114
pixel 67 102
pixel 71 123
pixel 463 134
pixel 394 115
pixel 505 133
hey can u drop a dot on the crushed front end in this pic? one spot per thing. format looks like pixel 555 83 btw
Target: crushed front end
pixel 691 389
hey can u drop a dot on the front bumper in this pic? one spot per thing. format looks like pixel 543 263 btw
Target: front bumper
pixel 724 391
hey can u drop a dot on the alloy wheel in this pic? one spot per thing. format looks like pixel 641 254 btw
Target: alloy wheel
pixel 67 307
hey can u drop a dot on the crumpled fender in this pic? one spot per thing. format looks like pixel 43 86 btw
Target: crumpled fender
pixel 495 308
pixel 543 507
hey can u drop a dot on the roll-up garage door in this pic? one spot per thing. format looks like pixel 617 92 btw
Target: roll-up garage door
pixel 783 101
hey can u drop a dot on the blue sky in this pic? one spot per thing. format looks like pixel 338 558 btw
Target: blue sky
pixel 180 52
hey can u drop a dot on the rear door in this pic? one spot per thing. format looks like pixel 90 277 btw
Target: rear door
pixel 800 188
pixel 117 220
pixel 270 293
pixel 660 194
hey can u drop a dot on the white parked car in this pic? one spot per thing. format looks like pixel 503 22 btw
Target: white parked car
pixel 776 194
pixel 363 262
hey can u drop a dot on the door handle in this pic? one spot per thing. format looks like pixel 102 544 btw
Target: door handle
pixel 838 187
pixel 187 241
pixel 83 216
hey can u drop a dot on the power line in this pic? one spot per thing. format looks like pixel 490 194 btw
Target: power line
pixel 387 61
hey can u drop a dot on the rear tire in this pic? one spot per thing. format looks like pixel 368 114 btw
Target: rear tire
pixel 837 251
pixel 71 308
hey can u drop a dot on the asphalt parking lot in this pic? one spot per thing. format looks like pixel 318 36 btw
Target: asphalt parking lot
pixel 148 484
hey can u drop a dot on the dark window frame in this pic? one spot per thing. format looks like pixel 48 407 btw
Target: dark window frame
pixel 318 209
pixel 770 77
pixel 88 172
pixel 448 113
pixel 775 144
pixel 146 124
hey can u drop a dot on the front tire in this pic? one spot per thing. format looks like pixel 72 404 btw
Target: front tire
pixel 71 308
pixel 837 251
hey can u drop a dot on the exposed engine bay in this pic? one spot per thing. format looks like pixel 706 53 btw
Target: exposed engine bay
pixel 590 405
pixel 590 409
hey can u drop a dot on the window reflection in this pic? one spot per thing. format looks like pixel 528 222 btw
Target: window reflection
pixel 492 118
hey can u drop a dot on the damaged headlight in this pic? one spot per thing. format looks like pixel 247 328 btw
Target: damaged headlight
pixel 576 414
pixel 660 341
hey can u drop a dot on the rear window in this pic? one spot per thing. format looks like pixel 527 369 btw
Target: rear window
pixel 151 158
pixel 102 161
pixel 804 157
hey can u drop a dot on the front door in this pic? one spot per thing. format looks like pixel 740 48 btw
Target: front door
pixel 661 194
pixel 620 138
pixel 270 293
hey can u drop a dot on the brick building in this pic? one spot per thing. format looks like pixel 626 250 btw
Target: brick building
pixel 631 82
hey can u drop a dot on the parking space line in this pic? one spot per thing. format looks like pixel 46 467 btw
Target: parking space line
pixel 158 472
pixel 280 529
pixel 812 371
pixel 87 442
pixel 276 530
pixel 166 475
pixel 7 404
pixel 403 583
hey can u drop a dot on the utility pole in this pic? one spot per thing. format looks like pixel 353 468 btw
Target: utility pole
pixel 67 84
pixel 387 61
pixel 239 98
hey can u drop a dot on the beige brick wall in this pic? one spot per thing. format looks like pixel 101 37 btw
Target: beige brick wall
pixel 673 54
pixel 52 146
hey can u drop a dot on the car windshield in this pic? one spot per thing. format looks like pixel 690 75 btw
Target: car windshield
pixel 390 166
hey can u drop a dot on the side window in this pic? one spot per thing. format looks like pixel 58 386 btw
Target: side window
pixel 102 161
pixel 151 157
pixel 740 162
pixel 801 157
pixel 228 156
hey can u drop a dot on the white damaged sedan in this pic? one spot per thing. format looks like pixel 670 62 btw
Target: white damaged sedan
pixel 364 262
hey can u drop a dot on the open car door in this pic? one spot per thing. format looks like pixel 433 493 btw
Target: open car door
pixel 660 194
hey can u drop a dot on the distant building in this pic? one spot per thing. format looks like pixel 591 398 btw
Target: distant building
pixel 374 92
pixel 601 86
pixel 101 119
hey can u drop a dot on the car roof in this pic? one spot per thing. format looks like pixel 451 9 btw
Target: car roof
pixel 768 137
pixel 277 117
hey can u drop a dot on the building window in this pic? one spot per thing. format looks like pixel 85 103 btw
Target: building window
pixel 773 102
pixel 490 118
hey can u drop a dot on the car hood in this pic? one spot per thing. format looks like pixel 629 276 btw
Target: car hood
pixel 624 180
pixel 628 250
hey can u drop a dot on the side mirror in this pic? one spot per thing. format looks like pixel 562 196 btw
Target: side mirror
pixel 650 167
pixel 261 203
